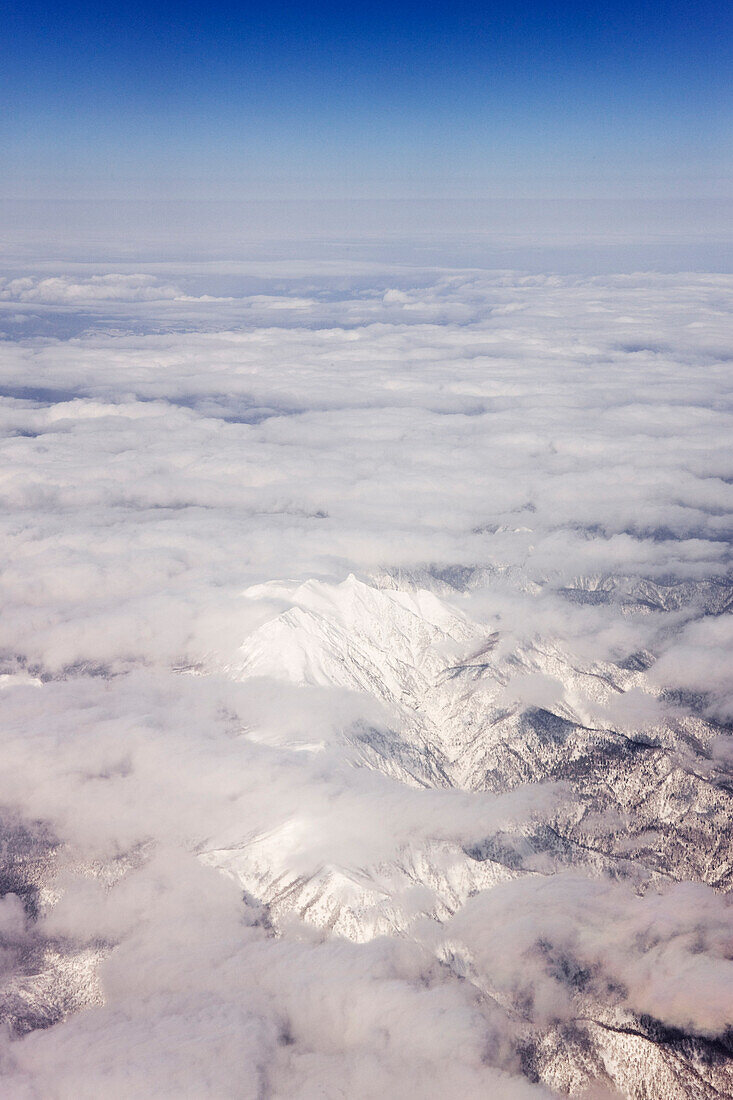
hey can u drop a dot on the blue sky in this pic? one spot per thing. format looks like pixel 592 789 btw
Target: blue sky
pixel 239 100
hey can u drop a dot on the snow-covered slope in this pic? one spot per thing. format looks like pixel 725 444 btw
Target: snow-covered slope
pixel 473 710
pixel 466 707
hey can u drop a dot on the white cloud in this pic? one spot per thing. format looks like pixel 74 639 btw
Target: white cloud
pixel 63 290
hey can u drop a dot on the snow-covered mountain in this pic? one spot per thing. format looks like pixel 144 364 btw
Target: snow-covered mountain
pixel 467 707
pixel 543 824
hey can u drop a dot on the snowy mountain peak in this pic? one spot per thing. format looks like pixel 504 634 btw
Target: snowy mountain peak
pixel 389 643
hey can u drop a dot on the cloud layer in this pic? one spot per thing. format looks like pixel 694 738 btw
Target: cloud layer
pixel 549 457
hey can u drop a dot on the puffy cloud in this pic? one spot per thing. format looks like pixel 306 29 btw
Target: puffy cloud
pixel 63 290
pixel 664 955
